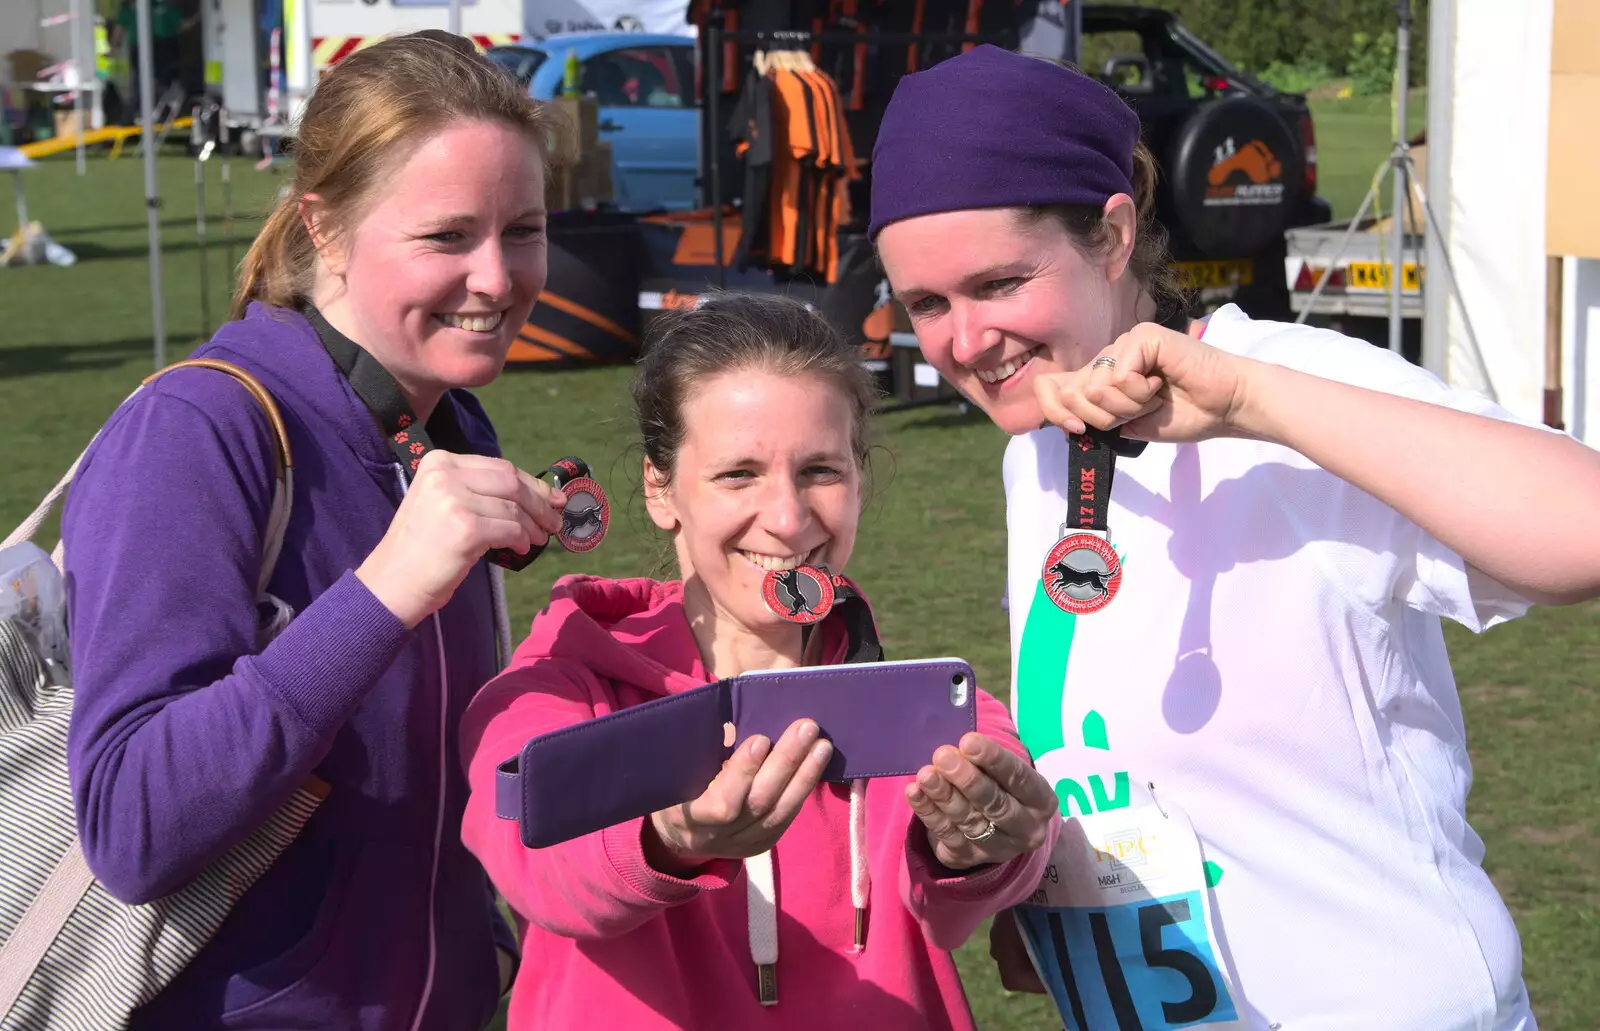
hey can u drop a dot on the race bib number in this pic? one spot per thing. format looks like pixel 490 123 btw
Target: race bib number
pixel 1120 929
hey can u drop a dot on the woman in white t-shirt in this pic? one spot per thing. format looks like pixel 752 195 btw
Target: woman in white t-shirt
pixel 1231 664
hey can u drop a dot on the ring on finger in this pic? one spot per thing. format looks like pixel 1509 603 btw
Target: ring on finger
pixel 1105 361
pixel 988 832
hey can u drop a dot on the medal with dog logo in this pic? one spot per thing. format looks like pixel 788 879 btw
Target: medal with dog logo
pixel 587 516
pixel 1082 572
pixel 584 519
pixel 807 594
pixel 801 595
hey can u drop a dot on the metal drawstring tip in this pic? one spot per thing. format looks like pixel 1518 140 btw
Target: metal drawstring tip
pixel 861 928
pixel 767 983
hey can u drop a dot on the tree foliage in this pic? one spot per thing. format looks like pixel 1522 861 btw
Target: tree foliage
pixel 1354 38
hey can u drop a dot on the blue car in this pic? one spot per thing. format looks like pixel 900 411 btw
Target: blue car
pixel 645 88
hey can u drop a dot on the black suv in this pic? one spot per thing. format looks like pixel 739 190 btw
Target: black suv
pixel 1238 158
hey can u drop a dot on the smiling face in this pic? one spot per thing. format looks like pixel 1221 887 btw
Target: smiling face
pixel 439 273
pixel 996 301
pixel 765 479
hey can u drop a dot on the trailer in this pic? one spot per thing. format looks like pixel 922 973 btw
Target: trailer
pixel 1342 269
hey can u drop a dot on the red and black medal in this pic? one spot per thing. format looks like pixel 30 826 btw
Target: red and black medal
pixel 587 514
pixel 1082 572
pixel 806 595
pixel 801 595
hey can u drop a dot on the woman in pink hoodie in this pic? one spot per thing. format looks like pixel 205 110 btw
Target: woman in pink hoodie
pixel 774 900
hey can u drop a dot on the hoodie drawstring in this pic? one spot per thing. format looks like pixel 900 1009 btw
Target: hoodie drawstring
pixel 761 894
pixel 860 874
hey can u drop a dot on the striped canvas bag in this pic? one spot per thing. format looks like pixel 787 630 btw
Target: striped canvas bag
pixel 71 955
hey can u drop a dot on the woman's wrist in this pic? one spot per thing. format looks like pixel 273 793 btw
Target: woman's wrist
pixel 1260 396
pixel 373 575
pixel 662 857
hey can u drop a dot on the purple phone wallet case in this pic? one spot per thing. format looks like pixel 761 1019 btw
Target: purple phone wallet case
pixel 885 719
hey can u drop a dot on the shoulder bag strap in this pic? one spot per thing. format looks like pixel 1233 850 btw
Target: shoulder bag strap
pixel 283 469
pixel 56 899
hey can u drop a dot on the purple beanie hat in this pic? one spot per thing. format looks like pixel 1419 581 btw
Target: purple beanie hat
pixel 994 129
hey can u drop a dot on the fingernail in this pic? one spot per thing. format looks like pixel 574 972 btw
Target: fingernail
pixel 759 746
pixel 823 750
pixel 916 797
pixel 808 731
pixel 947 760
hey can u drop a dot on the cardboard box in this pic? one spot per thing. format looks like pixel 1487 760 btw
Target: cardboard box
pixel 560 188
pixel 580 118
pixel 27 64
pixel 1575 38
pixel 66 122
pixel 1572 219
pixel 599 164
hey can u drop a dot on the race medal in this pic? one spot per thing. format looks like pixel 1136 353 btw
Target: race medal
pixel 1081 572
pixel 800 595
pixel 1121 929
pixel 586 517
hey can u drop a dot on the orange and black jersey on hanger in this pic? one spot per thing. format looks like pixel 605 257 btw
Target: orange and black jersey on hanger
pixel 790 129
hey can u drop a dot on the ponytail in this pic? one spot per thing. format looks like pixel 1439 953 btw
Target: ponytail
pixel 363 113
pixel 275 268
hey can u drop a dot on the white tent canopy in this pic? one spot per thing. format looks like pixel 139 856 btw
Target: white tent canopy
pixel 1489 103
pixel 545 17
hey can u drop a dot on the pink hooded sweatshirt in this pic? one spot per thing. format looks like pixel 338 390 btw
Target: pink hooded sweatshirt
pixel 610 943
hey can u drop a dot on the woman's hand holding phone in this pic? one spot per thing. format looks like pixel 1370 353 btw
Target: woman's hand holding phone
pixel 981 803
pixel 747 807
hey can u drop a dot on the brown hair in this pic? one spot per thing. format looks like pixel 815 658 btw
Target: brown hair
pixel 1150 263
pixel 393 93
pixel 729 332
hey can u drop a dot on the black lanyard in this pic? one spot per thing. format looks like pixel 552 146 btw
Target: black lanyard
pixel 1091 466
pixel 808 594
pixel 860 627
pixel 409 438
pixel 1083 572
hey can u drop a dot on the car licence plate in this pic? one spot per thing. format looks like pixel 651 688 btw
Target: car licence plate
pixel 1374 275
pixel 1203 275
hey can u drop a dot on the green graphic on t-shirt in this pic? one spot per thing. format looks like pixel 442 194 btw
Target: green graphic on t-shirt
pixel 1042 673
pixel 1094 731
pixel 1041 693
pixel 1041 689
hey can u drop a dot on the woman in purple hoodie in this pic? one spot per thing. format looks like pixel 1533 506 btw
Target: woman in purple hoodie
pixel 391 275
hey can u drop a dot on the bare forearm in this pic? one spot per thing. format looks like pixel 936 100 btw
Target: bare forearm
pixel 1518 503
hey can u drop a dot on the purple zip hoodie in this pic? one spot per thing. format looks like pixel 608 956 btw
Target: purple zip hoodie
pixel 184 739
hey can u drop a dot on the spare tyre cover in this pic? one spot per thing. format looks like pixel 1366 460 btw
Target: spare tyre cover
pixel 1235 172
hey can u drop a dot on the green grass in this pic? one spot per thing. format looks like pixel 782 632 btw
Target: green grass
pixel 74 341
pixel 1354 137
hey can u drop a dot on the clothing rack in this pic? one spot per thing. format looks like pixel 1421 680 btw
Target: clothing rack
pixel 712 41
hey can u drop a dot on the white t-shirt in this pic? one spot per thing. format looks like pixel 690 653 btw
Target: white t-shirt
pixel 1274 662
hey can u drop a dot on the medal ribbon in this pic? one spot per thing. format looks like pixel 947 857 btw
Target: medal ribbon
pixel 852 609
pixel 408 437
pixel 1091 465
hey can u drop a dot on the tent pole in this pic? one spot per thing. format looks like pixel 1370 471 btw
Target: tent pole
pixel 1441 87
pixel 1402 52
pixel 152 194
pixel 85 72
pixel 1553 270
